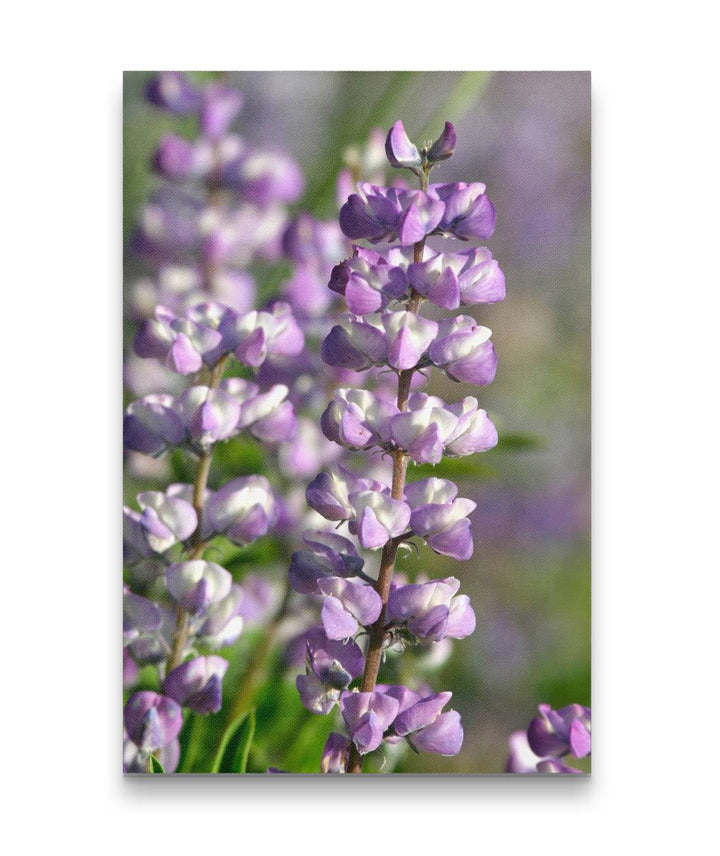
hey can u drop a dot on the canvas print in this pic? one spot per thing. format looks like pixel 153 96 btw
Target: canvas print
pixel 356 423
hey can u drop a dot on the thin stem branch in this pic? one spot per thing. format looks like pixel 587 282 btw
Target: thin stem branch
pixel 182 621
pixel 376 637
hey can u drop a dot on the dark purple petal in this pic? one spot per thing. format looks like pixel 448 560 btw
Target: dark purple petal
pixel 444 146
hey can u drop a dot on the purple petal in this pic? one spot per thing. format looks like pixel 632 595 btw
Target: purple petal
pixel 443 737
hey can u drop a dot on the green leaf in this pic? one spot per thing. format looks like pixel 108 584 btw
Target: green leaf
pixel 519 442
pixel 232 756
pixel 155 766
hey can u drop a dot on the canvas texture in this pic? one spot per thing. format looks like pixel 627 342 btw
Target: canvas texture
pixel 356 423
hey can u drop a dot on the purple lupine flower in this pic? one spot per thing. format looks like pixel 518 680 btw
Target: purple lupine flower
pixel 331 556
pixel 369 281
pixel 391 213
pixel 243 509
pixel 165 520
pixel 336 754
pixel 357 419
pixel 347 605
pixel 464 350
pixel 467 212
pixel 427 728
pixel 378 517
pixel 140 616
pixel 431 429
pixel 474 432
pixel 197 684
pixel 409 336
pixel 400 151
pixel 450 280
pixel 172 91
pixel 444 146
pixel 398 339
pixel 263 177
pixel 136 760
pixel 270 417
pixel 152 425
pixel 152 648
pixel 179 159
pixel 330 666
pixel 181 342
pixel 336 663
pixel 197 584
pixel 431 610
pixel 209 415
pixel 367 717
pixel 424 429
pixel 220 106
pixel 308 240
pixel 152 721
pixel 355 344
pixel 222 621
pixel 256 335
pixel 329 492
pixel 556 733
pixel 441 518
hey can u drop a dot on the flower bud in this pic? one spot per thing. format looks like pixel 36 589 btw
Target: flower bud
pixel 172 91
pixel 444 146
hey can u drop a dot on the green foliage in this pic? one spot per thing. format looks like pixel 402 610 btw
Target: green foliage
pixel 232 756
pixel 154 766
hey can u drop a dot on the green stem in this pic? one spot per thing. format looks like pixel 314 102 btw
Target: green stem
pixel 182 621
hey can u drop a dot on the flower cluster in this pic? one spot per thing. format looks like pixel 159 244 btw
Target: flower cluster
pixel 549 738
pixel 361 614
pixel 222 205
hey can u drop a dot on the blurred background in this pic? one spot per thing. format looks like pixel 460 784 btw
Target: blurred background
pixel 527 136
